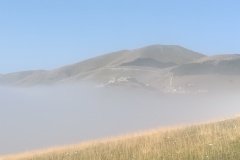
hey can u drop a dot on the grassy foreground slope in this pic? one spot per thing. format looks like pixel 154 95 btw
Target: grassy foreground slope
pixel 216 141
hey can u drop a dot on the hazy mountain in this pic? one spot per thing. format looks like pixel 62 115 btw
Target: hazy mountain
pixel 219 64
pixel 107 66
pixel 168 68
pixel 11 78
pixel 218 73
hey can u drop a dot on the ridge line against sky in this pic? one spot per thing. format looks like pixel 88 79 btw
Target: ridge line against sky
pixel 48 34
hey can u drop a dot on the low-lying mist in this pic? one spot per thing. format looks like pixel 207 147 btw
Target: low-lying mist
pixel 43 117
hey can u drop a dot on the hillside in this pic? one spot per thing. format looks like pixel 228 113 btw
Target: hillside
pixel 210 141
pixel 103 68
pixel 219 64
pixel 162 68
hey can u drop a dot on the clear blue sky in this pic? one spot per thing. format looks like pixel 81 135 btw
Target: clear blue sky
pixel 46 34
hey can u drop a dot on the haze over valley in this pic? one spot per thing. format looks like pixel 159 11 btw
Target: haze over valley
pixel 43 117
pixel 116 93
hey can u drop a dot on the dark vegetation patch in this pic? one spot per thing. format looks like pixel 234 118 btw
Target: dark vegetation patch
pixel 149 62
pixel 225 67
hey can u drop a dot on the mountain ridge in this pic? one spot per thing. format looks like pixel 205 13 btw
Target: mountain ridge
pixel 147 67
pixel 111 60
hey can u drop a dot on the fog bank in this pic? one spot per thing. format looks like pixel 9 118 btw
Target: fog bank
pixel 43 117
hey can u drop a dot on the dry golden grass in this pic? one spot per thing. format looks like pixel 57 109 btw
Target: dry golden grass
pixel 216 141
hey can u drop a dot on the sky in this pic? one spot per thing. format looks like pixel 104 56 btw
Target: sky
pixel 48 34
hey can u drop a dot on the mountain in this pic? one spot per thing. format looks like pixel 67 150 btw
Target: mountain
pixel 12 78
pixel 218 73
pixel 218 64
pixel 123 63
pixel 165 68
